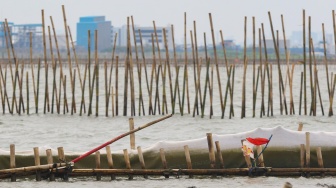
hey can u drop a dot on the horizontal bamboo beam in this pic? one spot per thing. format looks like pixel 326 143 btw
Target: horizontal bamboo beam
pixel 32 168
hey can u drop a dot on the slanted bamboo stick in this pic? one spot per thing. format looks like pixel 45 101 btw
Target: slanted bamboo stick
pixel 216 62
pixel 109 160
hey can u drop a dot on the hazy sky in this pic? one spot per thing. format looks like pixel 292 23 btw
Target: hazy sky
pixel 228 16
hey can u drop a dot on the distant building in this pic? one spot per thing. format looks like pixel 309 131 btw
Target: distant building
pixel 2 33
pixel 93 23
pixel 270 44
pixel 146 36
pixel 20 35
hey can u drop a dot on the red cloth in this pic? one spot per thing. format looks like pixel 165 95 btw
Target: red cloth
pixel 258 141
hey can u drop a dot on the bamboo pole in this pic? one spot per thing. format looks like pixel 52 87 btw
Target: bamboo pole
pixel 253 76
pixel 132 136
pixel 127 162
pixel 97 158
pixel 126 71
pixel 157 95
pixel 307 149
pixel 302 155
pixel 141 160
pixel 319 157
pixel 73 91
pixel 37 162
pixel 304 63
pixel 176 87
pixel 60 63
pixel 112 96
pixel 110 78
pixel 312 85
pixel 5 26
pixel 27 89
pixel 216 62
pixel 198 87
pixel 3 102
pixel 12 163
pixel 219 154
pixel 206 84
pixel 287 59
pixel 83 90
pixel 243 106
pixel 141 103
pixel 89 70
pixel 168 66
pixel 332 96
pixel 45 63
pixel 325 59
pixel 16 76
pixel 211 92
pixel 73 105
pixel 64 96
pixel 281 85
pixel 262 76
pixel 144 60
pixel 20 90
pixel 54 91
pixel 185 74
pixel 117 83
pixel 77 65
pixel 188 159
pixel 160 65
pixel 119 137
pixel 96 72
pixel 267 69
pixel 292 109
pixel 130 70
pixel 110 160
pixel 301 85
pixel 211 151
pixel 50 161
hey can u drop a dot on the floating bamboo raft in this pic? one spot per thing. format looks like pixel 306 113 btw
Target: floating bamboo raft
pixel 214 162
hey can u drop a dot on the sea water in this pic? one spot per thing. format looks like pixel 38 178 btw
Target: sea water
pixel 82 133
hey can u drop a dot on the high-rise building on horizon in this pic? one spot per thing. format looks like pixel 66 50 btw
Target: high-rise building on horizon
pixel 144 35
pixel 94 23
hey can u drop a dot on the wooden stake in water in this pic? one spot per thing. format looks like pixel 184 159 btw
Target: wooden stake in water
pixel 216 62
pixel 110 79
pixel 116 83
pixel 176 87
pixel 185 76
pixel 141 103
pixel 60 64
pixel 243 110
pixel 304 63
pixel 83 90
pixel 76 61
pixel 254 59
pixel 281 85
pixel 206 84
pixel 73 91
pixel 73 105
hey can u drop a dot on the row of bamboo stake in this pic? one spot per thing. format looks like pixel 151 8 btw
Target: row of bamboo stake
pixel 53 169
pixel 160 70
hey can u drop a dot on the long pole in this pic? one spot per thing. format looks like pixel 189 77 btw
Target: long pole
pixel 119 137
